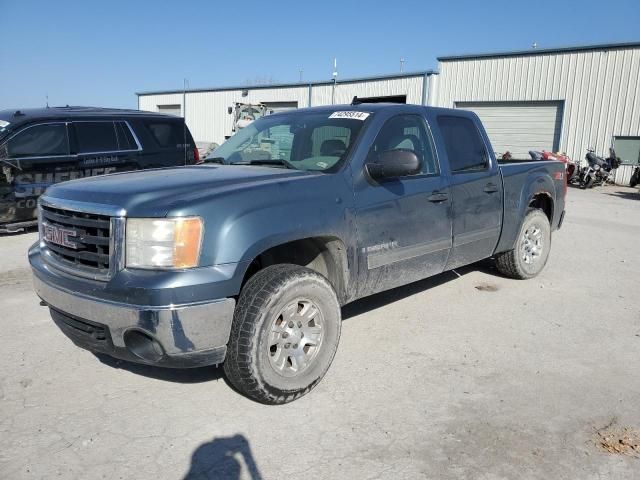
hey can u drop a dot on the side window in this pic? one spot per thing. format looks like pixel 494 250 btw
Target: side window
pixel 167 134
pixel 407 132
pixel 465 148
pixel 94 137
pixel 40 141
pixel 125 137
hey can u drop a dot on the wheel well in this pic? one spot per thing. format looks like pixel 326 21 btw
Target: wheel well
pixel 544 202
pixel 325 255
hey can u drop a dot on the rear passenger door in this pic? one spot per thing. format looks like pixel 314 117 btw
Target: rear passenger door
pixel 476 188
pixel 103 146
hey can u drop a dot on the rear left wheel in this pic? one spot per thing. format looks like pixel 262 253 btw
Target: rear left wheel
pixel 532 248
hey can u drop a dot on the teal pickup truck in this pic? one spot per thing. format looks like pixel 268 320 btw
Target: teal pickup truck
pixel 246 261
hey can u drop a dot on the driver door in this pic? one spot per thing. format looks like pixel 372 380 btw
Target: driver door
pixel 403 224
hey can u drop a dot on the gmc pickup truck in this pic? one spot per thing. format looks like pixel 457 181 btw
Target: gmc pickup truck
pixel 246 261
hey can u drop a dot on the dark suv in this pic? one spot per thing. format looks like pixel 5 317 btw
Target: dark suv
pixel 40 147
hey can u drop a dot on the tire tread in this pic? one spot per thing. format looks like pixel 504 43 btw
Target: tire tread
pixel 239 365
pixel 508 262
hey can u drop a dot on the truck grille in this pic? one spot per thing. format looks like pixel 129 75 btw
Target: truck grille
pixel 77 239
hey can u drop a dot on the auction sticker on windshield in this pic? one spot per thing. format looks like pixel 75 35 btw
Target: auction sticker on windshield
pixel 350 114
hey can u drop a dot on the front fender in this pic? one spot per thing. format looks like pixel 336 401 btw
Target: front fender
pixel 244 223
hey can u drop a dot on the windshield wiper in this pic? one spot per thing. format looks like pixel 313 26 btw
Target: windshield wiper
pixel 215 160
pixel 267 161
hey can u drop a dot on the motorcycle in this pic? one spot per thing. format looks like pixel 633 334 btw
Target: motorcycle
pixel 598 170
pixel 635 177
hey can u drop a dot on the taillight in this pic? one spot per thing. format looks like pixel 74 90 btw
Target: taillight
pixel 196 155
pixel 562 176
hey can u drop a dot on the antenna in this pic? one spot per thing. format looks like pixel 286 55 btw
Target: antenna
pixel 335 80
pixel 184 115
pixel 401 64
pixel 301 71
pixel 47 97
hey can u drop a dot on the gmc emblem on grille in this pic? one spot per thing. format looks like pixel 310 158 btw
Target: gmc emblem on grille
pixel 59 235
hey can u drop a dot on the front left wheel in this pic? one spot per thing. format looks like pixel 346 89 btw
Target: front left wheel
pixel 284 335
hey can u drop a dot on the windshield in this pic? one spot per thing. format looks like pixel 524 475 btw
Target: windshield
pixel 317 141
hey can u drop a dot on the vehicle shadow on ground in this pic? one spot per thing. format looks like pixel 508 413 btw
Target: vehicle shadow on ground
pixel 176 375
pixel 223 457
pixel 628 195
pixel 378 300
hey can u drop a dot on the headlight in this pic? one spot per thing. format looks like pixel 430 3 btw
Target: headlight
pixel 163 242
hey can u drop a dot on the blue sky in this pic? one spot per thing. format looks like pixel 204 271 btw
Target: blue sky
pixel 101 52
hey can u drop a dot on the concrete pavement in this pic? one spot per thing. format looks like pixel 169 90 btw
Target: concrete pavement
pixel 465 375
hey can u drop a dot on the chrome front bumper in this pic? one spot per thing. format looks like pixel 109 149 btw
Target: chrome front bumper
pixel 181 336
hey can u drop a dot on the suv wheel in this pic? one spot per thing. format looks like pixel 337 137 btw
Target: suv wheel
pixel 285 334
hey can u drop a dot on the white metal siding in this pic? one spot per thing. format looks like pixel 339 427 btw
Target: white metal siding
pixel 149 103
pixel 208 120
pixel 518 127
pixel 623 174
pixel 600 90
pixel 409 86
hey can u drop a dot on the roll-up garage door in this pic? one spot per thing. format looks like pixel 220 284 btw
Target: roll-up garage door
pixel 518 127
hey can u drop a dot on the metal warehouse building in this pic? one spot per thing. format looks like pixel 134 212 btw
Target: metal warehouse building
pixel 566 99
pixel 206 109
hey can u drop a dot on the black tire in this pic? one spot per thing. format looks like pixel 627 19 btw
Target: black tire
pixel 513 263
pixel 262 305
pixel 635 178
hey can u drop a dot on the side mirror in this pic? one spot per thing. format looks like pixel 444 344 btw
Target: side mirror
pixel 393 164
pixel 229 110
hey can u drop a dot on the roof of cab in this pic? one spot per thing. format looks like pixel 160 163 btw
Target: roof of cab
pixel 369 107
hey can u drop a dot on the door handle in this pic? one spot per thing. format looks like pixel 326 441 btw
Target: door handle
pixel 437 197
pixel 491 188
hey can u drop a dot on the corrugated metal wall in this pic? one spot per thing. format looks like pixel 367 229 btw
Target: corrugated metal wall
pixel 209 121
pixel 600 90
pixel 410 86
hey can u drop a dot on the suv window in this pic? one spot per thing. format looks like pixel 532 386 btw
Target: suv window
pixel 465 148
pixel 407 132
pixel 125 137
pixel 40 141
pixel 167 134
pixel 94 137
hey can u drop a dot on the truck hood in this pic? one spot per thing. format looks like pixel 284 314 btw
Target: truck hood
pixel 154 192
